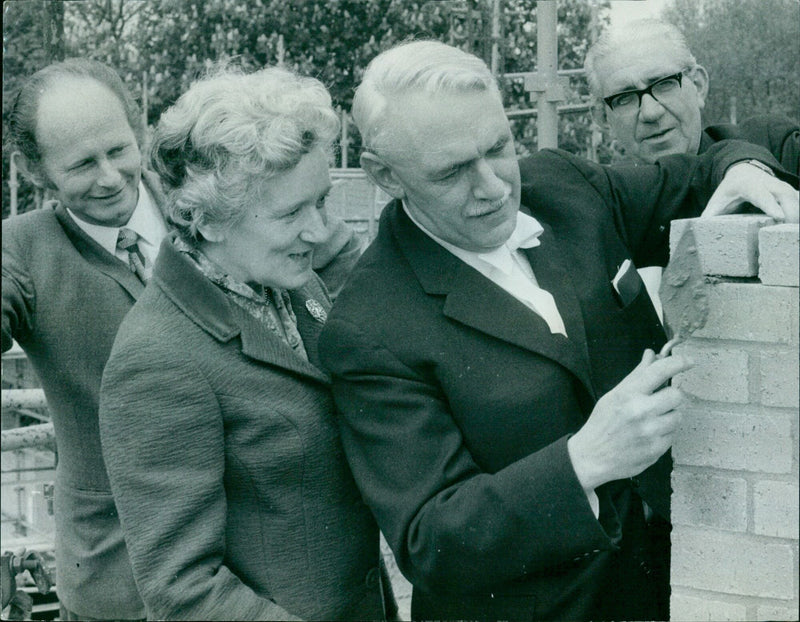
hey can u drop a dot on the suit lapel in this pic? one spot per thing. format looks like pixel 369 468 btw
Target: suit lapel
pixel 476 301
pixel 547 263
pixel 97 256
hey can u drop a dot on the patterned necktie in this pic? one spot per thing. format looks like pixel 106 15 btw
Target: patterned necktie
pixel 128 242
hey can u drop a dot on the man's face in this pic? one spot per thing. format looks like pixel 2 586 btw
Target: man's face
pixel 657 128
pixel 90 157
pixel 453 163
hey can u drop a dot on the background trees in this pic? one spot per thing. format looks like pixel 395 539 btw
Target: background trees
pixel 750 49
pixel 160 46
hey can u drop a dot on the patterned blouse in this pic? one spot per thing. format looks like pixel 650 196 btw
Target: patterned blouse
pixel 272 307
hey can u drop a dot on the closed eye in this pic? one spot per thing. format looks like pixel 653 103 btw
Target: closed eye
pixel 498 148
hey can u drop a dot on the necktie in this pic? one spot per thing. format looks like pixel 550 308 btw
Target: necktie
pixel 128 242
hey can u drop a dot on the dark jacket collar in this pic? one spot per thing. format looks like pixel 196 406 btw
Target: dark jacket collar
pixel 476 301
pixel 208 307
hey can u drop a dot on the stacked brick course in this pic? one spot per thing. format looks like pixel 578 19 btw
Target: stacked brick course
pixel 735 482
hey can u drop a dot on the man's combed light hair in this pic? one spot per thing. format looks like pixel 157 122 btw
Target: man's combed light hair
pixel 228 132
pixel 418 66
pixel 637 31
pixel 24 111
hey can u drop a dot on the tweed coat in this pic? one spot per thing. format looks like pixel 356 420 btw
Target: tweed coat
pixel 456 402
pixel 64 297
pixel 225 462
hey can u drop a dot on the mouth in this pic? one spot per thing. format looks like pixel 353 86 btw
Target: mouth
pixel 492 208
pixel 658 135
pixel 113 195
pixel 304 256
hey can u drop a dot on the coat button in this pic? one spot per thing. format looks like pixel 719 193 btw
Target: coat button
pixel 373 578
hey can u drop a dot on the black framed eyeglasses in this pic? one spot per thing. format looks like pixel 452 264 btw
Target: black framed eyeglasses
pixel 631 101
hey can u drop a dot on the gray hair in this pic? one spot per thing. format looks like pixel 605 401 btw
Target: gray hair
pixel 230 130
pixel 25 109
pixel 637 31
pixel 417 66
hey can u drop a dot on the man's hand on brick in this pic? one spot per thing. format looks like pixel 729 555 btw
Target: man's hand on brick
pixel 632 425
pixel 754 183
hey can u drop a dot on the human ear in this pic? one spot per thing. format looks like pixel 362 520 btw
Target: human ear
pixel 382 175
pixel 700 81
pixel 31 171
pixel 211 232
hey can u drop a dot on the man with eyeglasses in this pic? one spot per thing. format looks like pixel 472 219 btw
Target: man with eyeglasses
pixel 652 92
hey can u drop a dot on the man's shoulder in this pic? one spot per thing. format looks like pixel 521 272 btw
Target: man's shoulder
pixel 40 226
pixel 549 165
pixel 762 129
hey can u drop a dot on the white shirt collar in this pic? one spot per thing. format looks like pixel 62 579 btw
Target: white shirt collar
pixel 525 235
pixel 144 221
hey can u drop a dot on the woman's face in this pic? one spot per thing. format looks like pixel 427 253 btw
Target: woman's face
pixel 285 218
pixel 90 158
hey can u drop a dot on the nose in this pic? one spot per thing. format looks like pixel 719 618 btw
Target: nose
pixel 486 184
pixel 650 108
pixel 315 229
pixel 109 176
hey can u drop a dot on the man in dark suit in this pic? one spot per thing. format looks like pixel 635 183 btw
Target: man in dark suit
pixel 652 92
pixel 500 407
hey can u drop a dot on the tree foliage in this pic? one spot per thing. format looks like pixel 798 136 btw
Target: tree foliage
pixel 160 46
pixel 750 50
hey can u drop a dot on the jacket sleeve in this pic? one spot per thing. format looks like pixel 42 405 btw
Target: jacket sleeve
pixel 19 296
pixel 777 133
pixel 645 199
pixel 451 525
pixel 335 258
pixel 163 442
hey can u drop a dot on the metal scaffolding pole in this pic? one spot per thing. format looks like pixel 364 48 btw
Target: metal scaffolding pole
pixel 547 86
pixel 547 57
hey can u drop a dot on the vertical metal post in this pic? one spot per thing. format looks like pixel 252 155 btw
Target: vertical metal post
pixel 13 183
pixel 145 101
pixel 345 142
pixel 547 68
pixel 496 15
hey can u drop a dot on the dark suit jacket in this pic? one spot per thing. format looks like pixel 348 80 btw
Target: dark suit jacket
pixel 456 401
pixel 223 452
pixel 64 297
pixel 781 136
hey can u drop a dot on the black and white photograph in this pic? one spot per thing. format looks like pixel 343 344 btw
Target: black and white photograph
pixel 401 310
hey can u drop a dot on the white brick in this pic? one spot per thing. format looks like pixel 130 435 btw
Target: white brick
pixel 727 245
pixel 779 255
pixel 749 312
pixel 770 613
pixel 757 443
pixel 691 608
pixel 719 374
pixel 706 500
pixel 775 507
pixel 780 378
pixel 730 563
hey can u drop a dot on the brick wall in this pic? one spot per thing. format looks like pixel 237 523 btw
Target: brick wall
pixel 735 482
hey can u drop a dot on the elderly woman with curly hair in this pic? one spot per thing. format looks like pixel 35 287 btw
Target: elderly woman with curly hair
pixel 216 419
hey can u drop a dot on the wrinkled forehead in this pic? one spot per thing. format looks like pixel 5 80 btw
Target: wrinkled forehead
pixel 427 126
pixel 636 65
